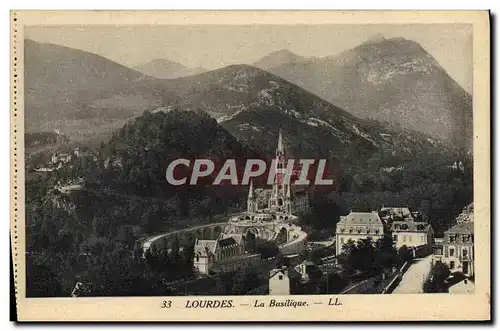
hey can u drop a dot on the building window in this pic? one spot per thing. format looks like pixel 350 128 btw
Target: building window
pixel 395 237
pixel 452 238
pixel 405 238
pixel 452 264
pixel 464 253
pixel 197 258
pixel 452 251
pixel 280 277
pixel 422 238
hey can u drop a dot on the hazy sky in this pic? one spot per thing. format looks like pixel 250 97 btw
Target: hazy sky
pixel 213 47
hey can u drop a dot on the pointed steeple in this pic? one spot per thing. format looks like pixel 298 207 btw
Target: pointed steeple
pixel 280 142
pixel 251 203
pixel 250 191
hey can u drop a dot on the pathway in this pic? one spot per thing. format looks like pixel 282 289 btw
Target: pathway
pixel 414 277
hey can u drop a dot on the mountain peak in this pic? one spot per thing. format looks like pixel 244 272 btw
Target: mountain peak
pixel 391 80
pixel 165 62
pixel 375 38
pixel 277 58
pixel 164 68
pixel 394 43
pixel 284 52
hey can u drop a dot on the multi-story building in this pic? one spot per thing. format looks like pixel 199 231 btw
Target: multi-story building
pixel 407 229
pixel 457 250
pixel 358 225
pixel 413 234
pixel 457 247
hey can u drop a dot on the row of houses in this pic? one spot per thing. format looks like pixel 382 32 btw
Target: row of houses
pixel 455 249
pixel 406 228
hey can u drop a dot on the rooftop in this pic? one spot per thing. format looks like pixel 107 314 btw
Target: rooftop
pixel 361 218
pixel 238 238
pixel 397 212
pixel 410 226
pixel 290 272
pixel 461 228
pixel 203 247
pixel 227 242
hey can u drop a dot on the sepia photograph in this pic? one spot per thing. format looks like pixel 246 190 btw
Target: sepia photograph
pixel 278 161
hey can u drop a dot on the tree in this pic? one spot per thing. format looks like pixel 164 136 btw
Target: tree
pixel 364 255
pixel 429 286
pixel 267 249
pixel 282 260
pixel 225 282
pixel 440 272
pixel 41 281
pixel 386 255
pixel 244 282
pixel 347 257
pixel 436 280
pixel 405 255
pixel 332 283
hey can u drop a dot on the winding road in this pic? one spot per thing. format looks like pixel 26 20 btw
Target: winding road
pixel 414 277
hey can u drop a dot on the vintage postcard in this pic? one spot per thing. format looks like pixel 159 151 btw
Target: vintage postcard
pixel 250 166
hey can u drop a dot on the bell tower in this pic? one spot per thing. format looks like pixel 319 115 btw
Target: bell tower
pixel 278 197
pixel 251 200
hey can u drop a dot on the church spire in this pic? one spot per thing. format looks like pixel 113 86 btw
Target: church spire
pixel 288 194
pixel 251 203
pixel 280 142
pixel 250 191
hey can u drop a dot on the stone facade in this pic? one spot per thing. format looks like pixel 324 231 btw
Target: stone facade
pixel 358 225
pixel 457 247
pixel 457 250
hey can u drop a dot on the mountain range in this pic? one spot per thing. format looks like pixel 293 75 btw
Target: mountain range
pixel 162 68
pixel 390 80
pixel 83 94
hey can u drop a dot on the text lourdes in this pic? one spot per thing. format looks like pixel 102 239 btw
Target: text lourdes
pixel 209 304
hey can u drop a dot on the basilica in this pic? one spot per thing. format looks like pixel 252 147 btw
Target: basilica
pixel 271 215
